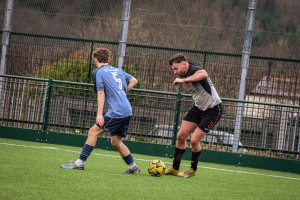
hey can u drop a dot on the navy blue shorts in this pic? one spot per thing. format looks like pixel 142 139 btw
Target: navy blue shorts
pixel 116 126
pixel 207 119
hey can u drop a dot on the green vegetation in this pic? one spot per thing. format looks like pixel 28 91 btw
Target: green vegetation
pixel 30 170
pixel 243 5
pixel 77 69
pixel 270 20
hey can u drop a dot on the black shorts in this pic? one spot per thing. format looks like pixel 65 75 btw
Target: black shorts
pixel 116 126
pixel 207 119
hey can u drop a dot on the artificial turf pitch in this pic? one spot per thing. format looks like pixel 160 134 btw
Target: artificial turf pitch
pixel 30 170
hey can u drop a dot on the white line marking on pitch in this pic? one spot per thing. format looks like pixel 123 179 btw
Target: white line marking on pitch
pixel 107 155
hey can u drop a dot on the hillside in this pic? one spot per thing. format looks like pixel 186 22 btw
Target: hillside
pixel 216 26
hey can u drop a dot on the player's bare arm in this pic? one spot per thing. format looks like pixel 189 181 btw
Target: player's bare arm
pixel 131 84
pixel 100 101
pixel 197 76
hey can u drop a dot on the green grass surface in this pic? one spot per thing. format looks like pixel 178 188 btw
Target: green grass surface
pixel 30 170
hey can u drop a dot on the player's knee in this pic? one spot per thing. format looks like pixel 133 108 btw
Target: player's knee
pixel 181 138
pixel 114 143
pixel 195 143
pixel 93 132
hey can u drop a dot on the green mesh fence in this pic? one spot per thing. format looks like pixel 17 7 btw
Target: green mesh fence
pixel 70 59
pixel 216 26
pixel 2 10
pixel 61 36
pixel 1 48
pixel 54 106
pixel 55 39
pixel 77 19
pixel 54 57
pixel 276 31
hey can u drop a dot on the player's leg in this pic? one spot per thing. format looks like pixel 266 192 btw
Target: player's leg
pixel 93 134
pixel 118 130
pixel 87 149
pixel 89 145
pixel 125 153
pixel 188 125
pixel 196 152
pixel 185 130
pixel 209 119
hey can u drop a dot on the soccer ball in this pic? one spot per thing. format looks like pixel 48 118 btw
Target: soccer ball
pixel 156 168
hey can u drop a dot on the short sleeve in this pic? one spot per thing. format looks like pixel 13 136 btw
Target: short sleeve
pixel 127 76
pixel 193 69
pixel 99 82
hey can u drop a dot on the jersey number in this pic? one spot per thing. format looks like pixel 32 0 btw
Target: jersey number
pixel 118 80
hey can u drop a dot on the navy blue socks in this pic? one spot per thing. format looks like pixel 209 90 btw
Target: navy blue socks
pixel 86 151
pixel 128 159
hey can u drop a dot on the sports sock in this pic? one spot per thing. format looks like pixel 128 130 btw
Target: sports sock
pixel 129 161
pixel 195 159
pixel 79 162
pixel 85 153
pixel 177 158
pixel 132 165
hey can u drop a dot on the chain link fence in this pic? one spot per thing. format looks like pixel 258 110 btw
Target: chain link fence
pixel 213 26
pixel 270 130
pixel 211 33
pixel 89 19
pixel 70 59
pixel 55 39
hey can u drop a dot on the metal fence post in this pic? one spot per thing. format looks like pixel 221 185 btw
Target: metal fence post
pixel 124 32
pixel 5 42
pixel 46 110
pixel 6 33
pixel 176 118
pixel 204 59
pixel 245 66
pixel 88 78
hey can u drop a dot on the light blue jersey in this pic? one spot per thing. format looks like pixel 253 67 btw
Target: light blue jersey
pixel 113 82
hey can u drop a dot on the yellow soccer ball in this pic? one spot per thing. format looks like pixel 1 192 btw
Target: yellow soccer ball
pixel 156 168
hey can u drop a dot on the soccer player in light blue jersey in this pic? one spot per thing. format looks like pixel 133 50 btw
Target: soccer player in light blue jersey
pixel 111 85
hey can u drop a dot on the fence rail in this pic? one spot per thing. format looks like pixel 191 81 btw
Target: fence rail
pixel 69 59
pixel 48 105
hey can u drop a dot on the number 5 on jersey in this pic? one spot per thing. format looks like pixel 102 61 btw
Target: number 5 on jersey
pixel 118 80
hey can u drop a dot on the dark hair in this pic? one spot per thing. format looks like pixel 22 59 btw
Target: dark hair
pixel 102 55
pixel 177 58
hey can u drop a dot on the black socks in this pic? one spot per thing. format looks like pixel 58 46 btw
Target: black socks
pixel 195 159
pixel 177 158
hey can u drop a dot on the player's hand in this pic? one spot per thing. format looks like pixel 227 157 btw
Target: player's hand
pixel 100 120
pixel 177 81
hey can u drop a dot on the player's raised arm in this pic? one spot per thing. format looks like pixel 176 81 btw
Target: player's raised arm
pixel 197 76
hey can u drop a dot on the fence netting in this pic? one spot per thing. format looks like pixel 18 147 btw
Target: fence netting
pixel 56 39
pixel 271 130
pixel 216 26
pixel 90 19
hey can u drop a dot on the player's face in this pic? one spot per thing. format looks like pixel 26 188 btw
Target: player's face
pixel 179 69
